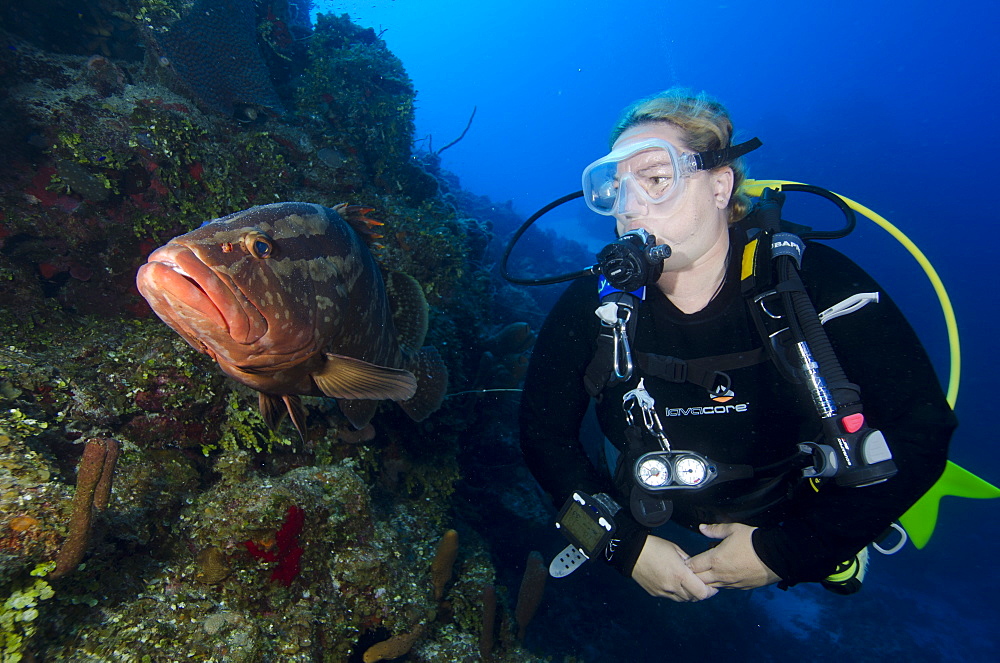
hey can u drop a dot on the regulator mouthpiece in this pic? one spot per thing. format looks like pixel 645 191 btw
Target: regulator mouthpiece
pixel 632 261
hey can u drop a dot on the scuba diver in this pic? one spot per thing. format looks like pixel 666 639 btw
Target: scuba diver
pixel 791 438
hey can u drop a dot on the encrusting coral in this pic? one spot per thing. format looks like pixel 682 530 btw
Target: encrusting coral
pixel 441 572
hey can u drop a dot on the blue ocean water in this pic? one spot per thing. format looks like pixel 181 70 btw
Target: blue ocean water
pixel 891 103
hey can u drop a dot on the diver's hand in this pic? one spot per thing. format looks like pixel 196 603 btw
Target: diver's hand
pixel 661 571
pixel 733 563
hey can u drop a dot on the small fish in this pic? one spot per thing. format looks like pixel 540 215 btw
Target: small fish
pixel 289 301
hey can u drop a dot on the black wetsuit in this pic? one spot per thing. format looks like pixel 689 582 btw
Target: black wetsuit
pixel 803 533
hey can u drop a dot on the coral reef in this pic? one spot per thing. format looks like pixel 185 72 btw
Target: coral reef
pixel 362 97
pixel 124 124
pixel 19 612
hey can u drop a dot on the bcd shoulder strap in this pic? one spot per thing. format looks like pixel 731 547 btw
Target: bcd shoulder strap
pixel 761 291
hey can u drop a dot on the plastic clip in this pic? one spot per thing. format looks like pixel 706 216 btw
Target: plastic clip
pixel 849 305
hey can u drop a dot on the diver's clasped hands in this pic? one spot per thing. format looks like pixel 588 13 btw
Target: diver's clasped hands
pixel 733 563
pixel 664 569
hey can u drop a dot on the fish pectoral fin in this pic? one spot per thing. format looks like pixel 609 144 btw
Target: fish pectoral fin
pixel 921 518
pixel 347 377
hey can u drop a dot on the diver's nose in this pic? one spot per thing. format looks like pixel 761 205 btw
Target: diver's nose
pixel 629 202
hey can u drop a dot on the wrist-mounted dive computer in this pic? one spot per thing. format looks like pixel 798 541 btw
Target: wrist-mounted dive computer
pixel 589 525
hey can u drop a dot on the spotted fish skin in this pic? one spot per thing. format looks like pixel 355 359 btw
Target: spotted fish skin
pixel 289 301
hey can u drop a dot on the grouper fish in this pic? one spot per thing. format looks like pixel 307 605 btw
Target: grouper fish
pixel 289 301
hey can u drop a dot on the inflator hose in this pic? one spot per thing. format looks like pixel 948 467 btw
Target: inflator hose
pixel 806 326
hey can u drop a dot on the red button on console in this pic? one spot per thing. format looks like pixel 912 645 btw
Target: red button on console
pixel 852 423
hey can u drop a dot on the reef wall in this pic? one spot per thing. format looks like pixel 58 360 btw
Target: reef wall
pixel 125 123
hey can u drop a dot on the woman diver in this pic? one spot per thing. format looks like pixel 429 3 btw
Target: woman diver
pixel 709 440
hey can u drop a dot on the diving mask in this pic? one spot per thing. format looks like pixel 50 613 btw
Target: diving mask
pixel 648 172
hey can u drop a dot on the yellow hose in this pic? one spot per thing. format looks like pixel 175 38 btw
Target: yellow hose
pixel 756 187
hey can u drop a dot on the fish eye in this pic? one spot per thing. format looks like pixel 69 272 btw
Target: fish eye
pixel 258 244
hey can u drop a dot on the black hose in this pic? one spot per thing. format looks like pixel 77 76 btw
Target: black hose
pixel 849 216
pixel 520 231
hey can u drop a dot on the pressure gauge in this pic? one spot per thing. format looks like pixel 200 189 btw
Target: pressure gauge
pixel 690 470
pixel 675 470
pixel 653 472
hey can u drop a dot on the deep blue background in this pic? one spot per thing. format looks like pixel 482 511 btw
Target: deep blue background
pixel 893 104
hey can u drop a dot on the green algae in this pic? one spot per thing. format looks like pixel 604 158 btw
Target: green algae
pixel 19 611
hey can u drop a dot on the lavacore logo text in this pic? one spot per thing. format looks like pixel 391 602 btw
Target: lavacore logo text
pixel 707 409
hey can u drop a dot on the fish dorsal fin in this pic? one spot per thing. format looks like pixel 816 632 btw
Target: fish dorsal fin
pixel 350 378
pixel 357 217
pixel 409 311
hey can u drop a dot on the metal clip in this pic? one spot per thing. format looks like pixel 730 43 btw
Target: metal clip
pixel 611 316
pixel 760 300
pixel 650 419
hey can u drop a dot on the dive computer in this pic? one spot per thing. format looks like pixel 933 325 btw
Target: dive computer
pixel 589 525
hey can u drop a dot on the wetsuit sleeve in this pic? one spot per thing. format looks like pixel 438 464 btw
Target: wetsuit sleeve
pixel 553 406
pixel 902 397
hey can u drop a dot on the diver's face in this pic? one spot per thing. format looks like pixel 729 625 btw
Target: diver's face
pixel 692 223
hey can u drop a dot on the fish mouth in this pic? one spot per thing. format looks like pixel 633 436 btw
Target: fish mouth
pixel 195 299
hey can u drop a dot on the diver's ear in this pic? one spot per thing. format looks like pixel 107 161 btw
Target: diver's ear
pixel 722 185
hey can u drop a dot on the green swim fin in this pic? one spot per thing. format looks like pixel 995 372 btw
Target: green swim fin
pixel 921 518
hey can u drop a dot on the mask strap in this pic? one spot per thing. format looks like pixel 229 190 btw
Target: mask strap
pixel 715 158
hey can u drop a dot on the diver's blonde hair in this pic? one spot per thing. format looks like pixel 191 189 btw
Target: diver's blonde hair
pixel 702 119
